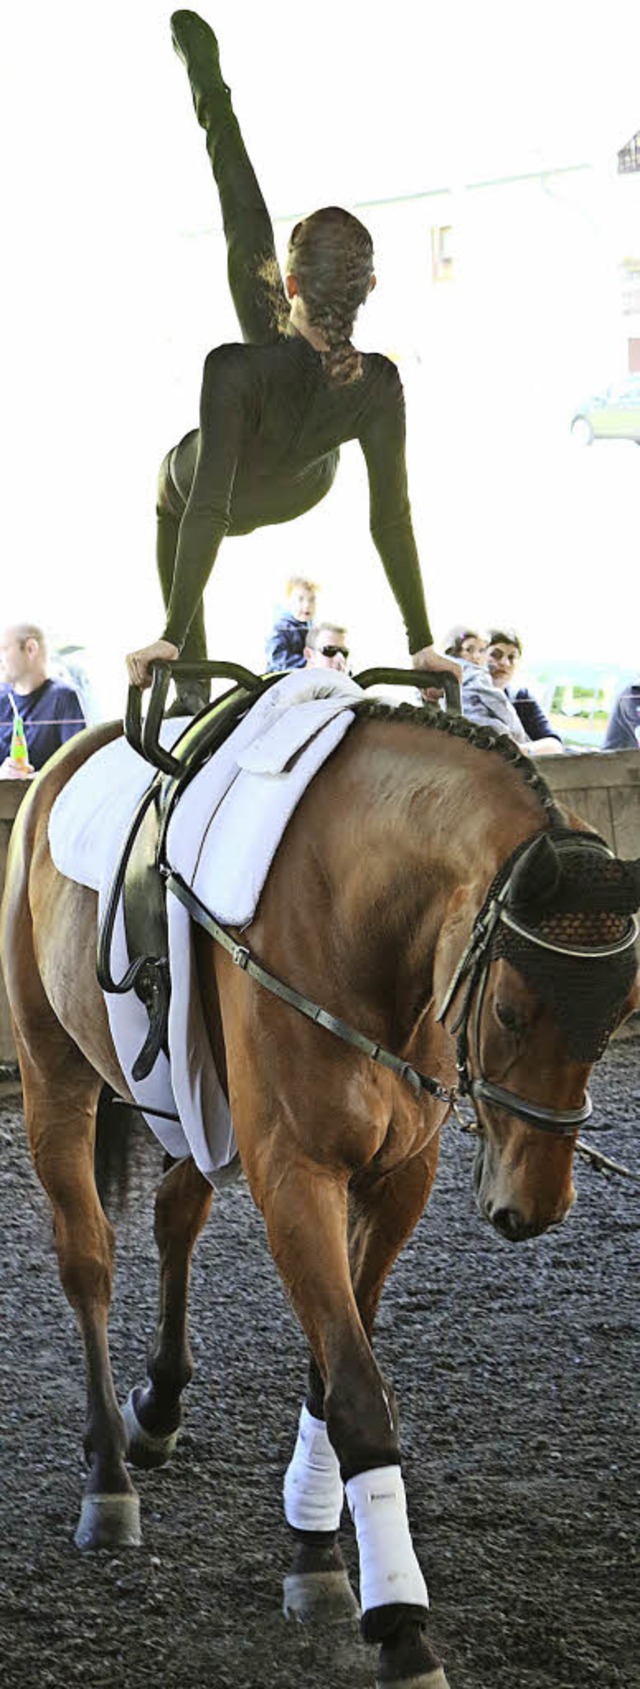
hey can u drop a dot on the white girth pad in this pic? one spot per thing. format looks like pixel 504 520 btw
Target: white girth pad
pixel 222 840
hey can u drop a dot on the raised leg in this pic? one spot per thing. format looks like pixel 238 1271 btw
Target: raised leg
pixel 152 1413
pixel 383 1212
pixel 306 1210
pixel 60 1105
pixel 254 276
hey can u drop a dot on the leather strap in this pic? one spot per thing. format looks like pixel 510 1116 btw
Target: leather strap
pixel 242 957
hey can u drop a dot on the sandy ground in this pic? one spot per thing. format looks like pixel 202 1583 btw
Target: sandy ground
pixel 516 1371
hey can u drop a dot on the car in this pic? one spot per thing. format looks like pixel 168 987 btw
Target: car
pixel 612 415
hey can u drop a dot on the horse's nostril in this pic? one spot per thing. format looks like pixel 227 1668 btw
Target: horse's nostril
pixel 510 1224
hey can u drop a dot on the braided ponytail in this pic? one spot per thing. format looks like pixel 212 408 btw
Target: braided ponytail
pixel 331 257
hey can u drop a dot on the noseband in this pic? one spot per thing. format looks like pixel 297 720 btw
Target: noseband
pixel 473 967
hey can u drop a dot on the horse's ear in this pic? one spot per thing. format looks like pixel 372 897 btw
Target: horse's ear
pixel 536 876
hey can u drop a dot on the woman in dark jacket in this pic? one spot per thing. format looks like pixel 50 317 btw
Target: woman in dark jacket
pixel 275 411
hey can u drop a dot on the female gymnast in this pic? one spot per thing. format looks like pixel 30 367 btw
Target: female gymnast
pixel 275 411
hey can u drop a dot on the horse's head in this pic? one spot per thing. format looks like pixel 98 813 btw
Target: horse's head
pixel 548 972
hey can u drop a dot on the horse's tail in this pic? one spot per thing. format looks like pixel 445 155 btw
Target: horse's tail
pixel 123 1141
pixel 117 1138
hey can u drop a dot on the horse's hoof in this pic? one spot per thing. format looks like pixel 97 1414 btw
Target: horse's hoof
pixel 425 1680
pixel 109 1521
pixel 144 1448
pixel 325 1596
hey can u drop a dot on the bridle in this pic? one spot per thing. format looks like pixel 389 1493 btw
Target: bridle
pixel 472 968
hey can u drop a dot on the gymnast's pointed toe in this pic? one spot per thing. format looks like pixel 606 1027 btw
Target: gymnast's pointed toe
pixel 194 40
pixel 197 48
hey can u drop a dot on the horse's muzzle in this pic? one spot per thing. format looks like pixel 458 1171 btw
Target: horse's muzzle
pixel 507 1217
pixel 512 1226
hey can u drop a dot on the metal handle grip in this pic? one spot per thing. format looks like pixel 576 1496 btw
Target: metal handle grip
pixel 144 735
pixel 419 678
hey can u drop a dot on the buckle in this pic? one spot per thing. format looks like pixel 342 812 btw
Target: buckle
pixel 240 955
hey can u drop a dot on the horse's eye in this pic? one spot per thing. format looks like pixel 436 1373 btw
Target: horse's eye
pixel 512 1019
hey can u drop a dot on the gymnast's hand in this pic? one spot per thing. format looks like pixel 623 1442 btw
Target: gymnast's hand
pixel 429 658
pixel 139 662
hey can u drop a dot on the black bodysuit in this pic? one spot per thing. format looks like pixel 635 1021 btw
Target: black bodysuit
pixel 267 450
pixel 272 422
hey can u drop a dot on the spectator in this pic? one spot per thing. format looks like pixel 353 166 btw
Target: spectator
pixel 623 731
pixel 488 704
pixel 51 712
pixel 286 642
pixel 469 647
pixel 503 655
pixel 483 701
pixel 327 647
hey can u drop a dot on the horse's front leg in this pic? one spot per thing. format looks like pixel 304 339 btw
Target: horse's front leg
pixel 152 1412
pixel 317 1586
pixel 306 1210
pixel 384 1213
pixel 60 1107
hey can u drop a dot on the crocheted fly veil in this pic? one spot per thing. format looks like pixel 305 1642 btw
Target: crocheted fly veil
pixel 568 928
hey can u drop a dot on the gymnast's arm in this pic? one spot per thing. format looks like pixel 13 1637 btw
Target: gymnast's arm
pixel 223 409
pixel 382 438
pixel 207 516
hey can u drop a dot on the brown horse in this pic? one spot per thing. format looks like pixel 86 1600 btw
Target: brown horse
pixel 427 885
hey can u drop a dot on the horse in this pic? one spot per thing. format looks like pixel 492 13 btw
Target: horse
pixel 447 931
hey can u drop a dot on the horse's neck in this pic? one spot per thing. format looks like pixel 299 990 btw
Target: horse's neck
pixel 431 819
pixel 442 802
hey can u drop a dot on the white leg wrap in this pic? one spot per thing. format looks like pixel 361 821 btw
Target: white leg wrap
pixel 313 1490
pixel 389 1570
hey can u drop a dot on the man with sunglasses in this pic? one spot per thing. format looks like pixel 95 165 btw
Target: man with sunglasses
pixel 327 648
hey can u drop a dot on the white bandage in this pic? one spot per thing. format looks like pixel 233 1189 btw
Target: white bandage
pixel 389 1570
pixel 313 1490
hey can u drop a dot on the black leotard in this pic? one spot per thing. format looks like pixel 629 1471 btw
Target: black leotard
pixel 271 420
pixel 271 424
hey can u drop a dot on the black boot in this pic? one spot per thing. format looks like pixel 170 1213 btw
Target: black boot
pixel 196 46
pixel 254 278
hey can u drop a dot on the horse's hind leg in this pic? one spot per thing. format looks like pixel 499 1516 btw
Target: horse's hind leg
pixel 60 1098
pixel 152 1413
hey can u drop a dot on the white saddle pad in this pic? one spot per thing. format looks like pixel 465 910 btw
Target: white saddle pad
pixel 222 840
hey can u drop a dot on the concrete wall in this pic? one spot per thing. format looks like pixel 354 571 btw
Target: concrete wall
pixel 603 789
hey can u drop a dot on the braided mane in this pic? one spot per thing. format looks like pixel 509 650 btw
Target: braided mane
pixel 458 727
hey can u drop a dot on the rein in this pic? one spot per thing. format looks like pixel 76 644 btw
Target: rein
pixel 242 957
pixel 473 966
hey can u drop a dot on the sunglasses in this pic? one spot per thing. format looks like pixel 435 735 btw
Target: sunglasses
pixel 334 651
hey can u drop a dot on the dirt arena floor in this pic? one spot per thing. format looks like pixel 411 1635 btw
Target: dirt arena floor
pixel 517 1375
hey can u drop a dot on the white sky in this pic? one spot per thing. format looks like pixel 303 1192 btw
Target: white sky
pixel 113 256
